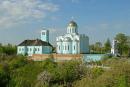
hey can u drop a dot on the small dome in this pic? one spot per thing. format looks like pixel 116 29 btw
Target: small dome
pixel 73 23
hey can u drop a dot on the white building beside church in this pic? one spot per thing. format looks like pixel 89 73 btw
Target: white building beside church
pixel 38 46
pixel 72 42
pixel 114 49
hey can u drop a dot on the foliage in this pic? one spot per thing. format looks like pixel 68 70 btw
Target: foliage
pixel 16 63
pixel 61 73
pixel 122 45
pixel 116 76
pixel 18 71
pixel 8 49
pixel 4 75
pixel 96 48
pixel 107 56
pixel 43 78
pixel 107 46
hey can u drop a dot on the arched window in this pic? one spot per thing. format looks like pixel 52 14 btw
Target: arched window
pixel 35 49
pixel 59 47
pixel 65 47
pixel 74 47
pixel 70 30
pixel 27 49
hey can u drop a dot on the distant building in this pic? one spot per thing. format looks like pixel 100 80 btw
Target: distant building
pixel 114 49
pixel 72 42
pixel 38 46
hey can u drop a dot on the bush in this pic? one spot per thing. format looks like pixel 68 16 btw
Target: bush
pixel 4 76
pixel 118 75
pixel 43 79
pixel 17 71
pixel 107 56
pixel 20 61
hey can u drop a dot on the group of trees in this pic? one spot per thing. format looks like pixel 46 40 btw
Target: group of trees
pixel 123 45
pixel 17 71
pixel 7 49
pixel 118 75
pixel 99 48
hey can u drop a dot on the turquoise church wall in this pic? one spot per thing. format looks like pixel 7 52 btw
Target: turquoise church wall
pixel 30 50
pixel 46 50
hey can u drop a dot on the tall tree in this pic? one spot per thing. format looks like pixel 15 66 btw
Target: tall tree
pixel 98 47
pixel 1 48
pixel 122 43
pixel 92 48
pixel 98 44
pixel 107 45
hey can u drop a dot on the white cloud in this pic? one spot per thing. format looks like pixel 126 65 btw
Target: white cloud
pixel 18 11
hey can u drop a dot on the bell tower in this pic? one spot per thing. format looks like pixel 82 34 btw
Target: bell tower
pixel 45 35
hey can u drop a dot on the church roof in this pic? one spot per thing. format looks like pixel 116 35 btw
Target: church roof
pixel 68 37
pixel 36 42
pixel 73 23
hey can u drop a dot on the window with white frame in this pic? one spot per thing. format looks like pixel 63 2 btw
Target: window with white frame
pixel 65 47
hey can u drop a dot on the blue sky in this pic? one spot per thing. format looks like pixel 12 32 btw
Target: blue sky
pixel 99 19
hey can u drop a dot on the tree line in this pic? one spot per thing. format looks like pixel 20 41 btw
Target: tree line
pixel 8 49
pixel 123 45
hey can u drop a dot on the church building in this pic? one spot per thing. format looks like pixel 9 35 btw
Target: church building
pixel 72 42
pixel 38 46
